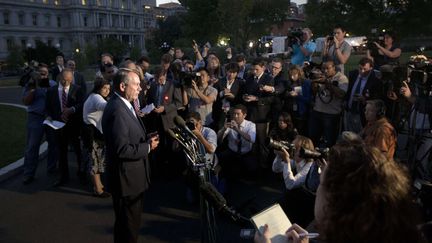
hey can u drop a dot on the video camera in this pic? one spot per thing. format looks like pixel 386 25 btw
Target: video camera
pixel 294 36
pixel 374 37
pixel 420 73
pixel 186 78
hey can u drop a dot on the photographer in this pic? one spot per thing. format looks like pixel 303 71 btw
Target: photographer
pixel 325 117
pixel 200 96
pixel 303 49
pixel 33 97
pixel 294 170
pixel 386 53
pixel 336 49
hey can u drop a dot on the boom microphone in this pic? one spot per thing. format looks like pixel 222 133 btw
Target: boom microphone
pixel 182 124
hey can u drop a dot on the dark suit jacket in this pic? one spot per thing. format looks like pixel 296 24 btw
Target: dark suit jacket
pixel 79 80
pixel 372 90
pixel 127 149
pixel 171 100
pixel 258 111
pixel 75 99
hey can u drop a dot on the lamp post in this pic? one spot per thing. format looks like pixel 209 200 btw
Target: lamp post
pixel 29 51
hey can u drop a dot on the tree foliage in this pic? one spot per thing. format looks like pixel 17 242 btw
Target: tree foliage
pixel 359 17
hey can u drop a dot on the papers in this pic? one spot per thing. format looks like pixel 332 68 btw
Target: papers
pixel 54 124
pixel 148 108
pixel 277 221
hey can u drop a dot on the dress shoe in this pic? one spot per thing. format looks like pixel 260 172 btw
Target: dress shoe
pixel 27 180
pixel 104 194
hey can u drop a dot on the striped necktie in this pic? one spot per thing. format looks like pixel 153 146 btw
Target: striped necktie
pixel 64 99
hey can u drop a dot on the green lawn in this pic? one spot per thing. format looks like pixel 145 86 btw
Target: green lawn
pixel 13 134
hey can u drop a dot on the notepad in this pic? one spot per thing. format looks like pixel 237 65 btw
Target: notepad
pixel 277 221
pixel 54 124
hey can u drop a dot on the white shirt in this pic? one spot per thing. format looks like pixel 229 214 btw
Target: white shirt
pixel 93 110
pixel 246 146
pixel 290 180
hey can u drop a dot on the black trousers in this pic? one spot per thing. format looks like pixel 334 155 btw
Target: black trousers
pixel 69 134
pixel 127 217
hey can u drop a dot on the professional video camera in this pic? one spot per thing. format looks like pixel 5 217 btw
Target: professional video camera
pixel 294 36
pixel 319 153
pixel 374 37
pixel 279 145
pixel 187 77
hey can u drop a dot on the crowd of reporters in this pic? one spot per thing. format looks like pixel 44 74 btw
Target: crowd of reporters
pixel 234 108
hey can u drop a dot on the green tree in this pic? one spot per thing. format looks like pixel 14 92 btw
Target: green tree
pixel 15 59
pixel 42 53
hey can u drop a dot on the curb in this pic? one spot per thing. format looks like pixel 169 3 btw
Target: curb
pixel 16 167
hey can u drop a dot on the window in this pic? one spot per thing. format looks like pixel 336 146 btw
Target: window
pixel 9 44
pixel 83 2
pixel 123 4
pixel 23 43
pixel 57 2
pixel 47 20
pixel 49 43
pixel 126 22
pixel 21 19
pixel 85 21
pixel 45 1
pixel 115 21
pixel 59 23
pixel 98 2
pixel 34 19
pixel 6 18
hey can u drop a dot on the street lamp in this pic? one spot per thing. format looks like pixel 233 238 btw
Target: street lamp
pixel 77 50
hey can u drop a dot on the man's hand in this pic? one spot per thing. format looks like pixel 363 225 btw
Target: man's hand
pixel 159 109
pixel 392 95
pixel 405 90
pixel 194 85
pixel 267 88
pixel 250 98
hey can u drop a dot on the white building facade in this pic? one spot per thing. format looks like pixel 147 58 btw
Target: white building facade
pixel 71 24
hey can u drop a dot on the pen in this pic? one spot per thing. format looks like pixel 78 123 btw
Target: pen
pixel 308 235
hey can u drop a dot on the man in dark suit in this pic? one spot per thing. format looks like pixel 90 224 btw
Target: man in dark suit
pixel 166 98
pixel 229 89
pixel 258 95
pixel 64 103
pixel 363 85
pixel 58 67
pixel 127 150
pixel 78 78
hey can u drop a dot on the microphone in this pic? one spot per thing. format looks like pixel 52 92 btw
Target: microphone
pixel 178 138
pixel 215 199
pixel 182 124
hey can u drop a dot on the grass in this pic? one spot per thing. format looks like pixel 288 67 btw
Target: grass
pixel 13 134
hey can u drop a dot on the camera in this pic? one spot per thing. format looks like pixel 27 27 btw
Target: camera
pixel 190 125
pixel 293 37
pixel 186 78
pixel 317 154
pixel 279 145
pixel 228 117
pixel 370 45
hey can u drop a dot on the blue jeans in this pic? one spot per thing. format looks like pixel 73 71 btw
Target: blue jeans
pixel 35 132
pixel 324 125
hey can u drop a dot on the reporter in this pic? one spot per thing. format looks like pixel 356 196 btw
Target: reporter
pixel 363 197
pixel 385 55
